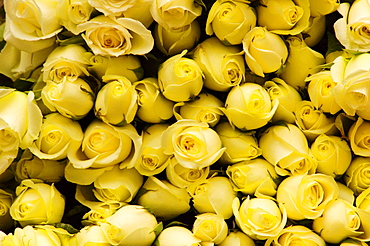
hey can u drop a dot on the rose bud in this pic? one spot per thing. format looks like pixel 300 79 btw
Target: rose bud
pixel 237 238
pixel 176 236
pixel 358 135
pixel 71 13
pixel 356 177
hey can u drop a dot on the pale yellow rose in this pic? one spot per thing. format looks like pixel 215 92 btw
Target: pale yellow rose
pixel 265 52
pixel 175 13
pixel 223 66
pixel 140 11
pixel 286 147
pixel 306 196
pixel 204 108
pixel 341 220
pixel 296 235
pixel 284 16
pixel 112 7
pixel 153 106
pixel 177 236
pixel 319 90
pixel 249 106
pixel 210 227
pixel 71 13
pixel 356 177
pixel 345 193
pixel 205 196
pixel 333 155
pixel 163 199
pixel 358 135
pixel 237 238
pixel 321 8
pixel 116 37
pixel 240 145
pixel 316 30
pixel 105 145
pixel 99 212
pixel 37 203
pixel 180 78
pixel 6 199
pixel 173 41
pixel 297 69
pixel 288 99
pixel 31 26
pixel 254 177
pixel 62 97
pixel 194 144
pixel 230 21
pixel 91 235
pixel 259 218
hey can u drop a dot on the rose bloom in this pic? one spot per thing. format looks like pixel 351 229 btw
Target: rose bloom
pixel 116 37
pixel 237 238
pixel 230 21
pixel 210 227
pixel 358 135
pixel 112 8
pixel 140 11
pixel 90 234
pixel 6 199
pixel 321 8
pixel 362 201
pixel 356 177
pixel 194 144
pixel 71 13
pixel 223 66
pixel 315 31
pixel 177 236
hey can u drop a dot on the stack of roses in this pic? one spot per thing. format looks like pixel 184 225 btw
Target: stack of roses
pixel 181 122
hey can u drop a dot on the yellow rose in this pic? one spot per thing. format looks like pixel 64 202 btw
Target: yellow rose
pixel 163 199
pixel 296 235
pixel 288 99
pixel 140 11
pixel 284 16
pixel 358 135
pixel 116 101
pixel 31 26
pixel 259 218
pixel 306 196
pixel 321 8
pixel 180 78
pixel 194 144
pixel 223 66
pixel 286 147
pixel 99 211
pixel 265 52
pixel 319 90
pixel 90 235
pixel 362 201
pixel 111 7
pixel 230 21
pixel 254 177
pixel 341 220
pixel 62 97
pixel 177 236
pixel 210 227
pixel 153 106
pixel 248 106
pixel 175 13
pixel 356 177
pixel 345 193
pixel 105 145
pixel 237 238
pixel 315 32
pixel 205 196
pixel 6 221
pixel 116 37
pixel 37 203
pixel 333 155
pixel 173 41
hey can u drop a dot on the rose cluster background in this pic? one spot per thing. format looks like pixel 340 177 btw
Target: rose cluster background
pixel 181 122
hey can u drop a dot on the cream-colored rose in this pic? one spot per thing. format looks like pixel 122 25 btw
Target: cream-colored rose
pixel 210 227
pixel 184 177
pixel 173 41
pixel 254 177
pixel 237 238
pixel 105 145
pixel 223 66
pixel 306 196
pixel 71 13
pixel 140 11
pixel 316 30
pixel 265 52
pixel 153 106
pixel 205 196
pixel 341 220
pixel 180 78
pixel 356 177
pixel 194 144
pixel 297 69
pixel 230 21
pixel 319 91
pixel 116 101
pixel 284 16
pixel 296 235
pixel 333 155
pixel 37 203
pixel 288 99
pixel 358 135
pixel 31 26
pixel 6 199
pixel 321 8
pixel 259 218
pixel 163 199
pixel 175 13
pixel 240 146
pixel 64 96
pixel 128 66
pixel 286 147
pixel 177 236
pixel 67 62
pixel 249 106
pixel 57 133
pixel 116 37
pixel 204 108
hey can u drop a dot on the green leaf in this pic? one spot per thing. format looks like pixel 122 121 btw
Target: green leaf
pixel 139 72
pixel 333 44
pixel 69 228
pixel 23 84
pixel 158 229
pixel 73 40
